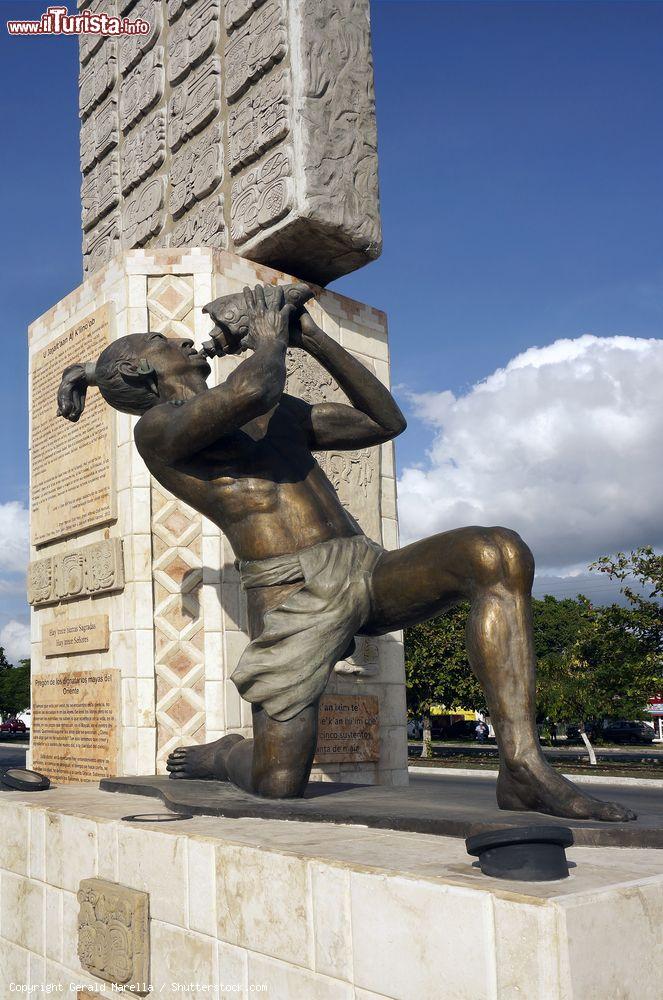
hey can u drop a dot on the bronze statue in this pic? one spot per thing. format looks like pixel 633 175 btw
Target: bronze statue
pixel 241 453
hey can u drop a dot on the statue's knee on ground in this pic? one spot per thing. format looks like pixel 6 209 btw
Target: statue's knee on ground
pixel 282 755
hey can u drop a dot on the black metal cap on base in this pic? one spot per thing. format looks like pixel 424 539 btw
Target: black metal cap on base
pixel 523 853
pixel 23 780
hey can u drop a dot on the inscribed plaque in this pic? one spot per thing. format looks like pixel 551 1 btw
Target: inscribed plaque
pixel 75 720
pixel 348 729
pixel 71 484
pixel 75 635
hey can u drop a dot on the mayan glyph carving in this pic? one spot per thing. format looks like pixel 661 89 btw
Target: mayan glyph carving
pixel 255 47
pixel 144 212
pixel 97 78
pixel 100 134
pixel 195 103
pixel 100 191
pixel 102 243
pixel 92 569
pixel 280 91
pixel 203 226
pixel 262 197
pixel 144 151
pixel 259 121
pixel 196 170
pixel 133 47
pixel 113 934
pixel 142 89
pixel 192 39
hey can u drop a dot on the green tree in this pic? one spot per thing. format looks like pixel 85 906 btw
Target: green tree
pixel 593 662
pixel 436 668
pixel 14 687
pixel 614 663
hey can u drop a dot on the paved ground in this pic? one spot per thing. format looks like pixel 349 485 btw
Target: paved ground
pixel 625 754
pixel 11 756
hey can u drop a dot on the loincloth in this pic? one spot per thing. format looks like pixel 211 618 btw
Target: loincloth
pixel 286 667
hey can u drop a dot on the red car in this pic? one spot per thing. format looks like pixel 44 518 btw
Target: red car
pixel 13 726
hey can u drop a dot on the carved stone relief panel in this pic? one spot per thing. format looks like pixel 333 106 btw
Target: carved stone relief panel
pixel 92 569
pixel 114 934
pixel 196 169
pixel 176 8
pixel 203 226
pixel 133 47
pixel 144 151
pixel 262 196
pixel 101 243
pixel 144 212
pixel 192 39
pixel 195 103
pixel 89 44
pixel 338 109
pixel 97 79
pixel 142 89
pixel 354 474
pixel 99 134
pixel 256 46
pixel 259 121
pixel 100 191
pixel 237 11
pixel 270 74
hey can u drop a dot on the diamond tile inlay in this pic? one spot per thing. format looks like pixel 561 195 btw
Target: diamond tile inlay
pixel 177 570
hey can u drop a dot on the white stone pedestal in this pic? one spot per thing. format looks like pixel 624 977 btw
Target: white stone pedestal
pixel 320 912
pixel 178 626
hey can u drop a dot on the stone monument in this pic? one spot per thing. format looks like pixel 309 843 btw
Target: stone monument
pixel 246 125
pixel 232 146
pixel 234 133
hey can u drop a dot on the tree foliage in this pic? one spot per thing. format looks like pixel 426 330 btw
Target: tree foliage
pixel 14 687
pixel 436 666
pixel 593 662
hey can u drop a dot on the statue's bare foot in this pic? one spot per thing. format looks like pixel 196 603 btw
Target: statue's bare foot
pixel 203 762
pixel 534 784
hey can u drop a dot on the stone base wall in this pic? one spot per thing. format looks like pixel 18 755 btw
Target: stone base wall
pixel 178 627
pixel 310 912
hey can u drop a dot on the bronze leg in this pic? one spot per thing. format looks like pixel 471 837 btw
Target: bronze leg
pixel 277 762
pixel 494 569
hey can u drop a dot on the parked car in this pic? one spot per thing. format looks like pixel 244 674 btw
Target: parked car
pixel 628 731
pixel 414 729
pixel 13 726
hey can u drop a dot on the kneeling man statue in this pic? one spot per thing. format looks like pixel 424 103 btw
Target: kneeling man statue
pixel 241 454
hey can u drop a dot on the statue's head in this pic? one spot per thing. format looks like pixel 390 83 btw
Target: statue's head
pixel 134 373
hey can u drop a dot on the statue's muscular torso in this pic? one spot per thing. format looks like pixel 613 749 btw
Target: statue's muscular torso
pixel 261 485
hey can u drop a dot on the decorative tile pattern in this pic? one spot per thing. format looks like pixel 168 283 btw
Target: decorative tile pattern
pixel 177 566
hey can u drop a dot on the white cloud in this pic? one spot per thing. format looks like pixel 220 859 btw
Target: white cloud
pixel 15 640
pixel 14 544
pixel 564 445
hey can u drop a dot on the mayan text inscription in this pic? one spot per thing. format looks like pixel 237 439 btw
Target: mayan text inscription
pixel 75 720
pixel 70 465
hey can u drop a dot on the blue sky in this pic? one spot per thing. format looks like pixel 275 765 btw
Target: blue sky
pixel 521 156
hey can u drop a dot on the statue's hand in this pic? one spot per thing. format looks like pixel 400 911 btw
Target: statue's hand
pixel 266 325
pixel 303 331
